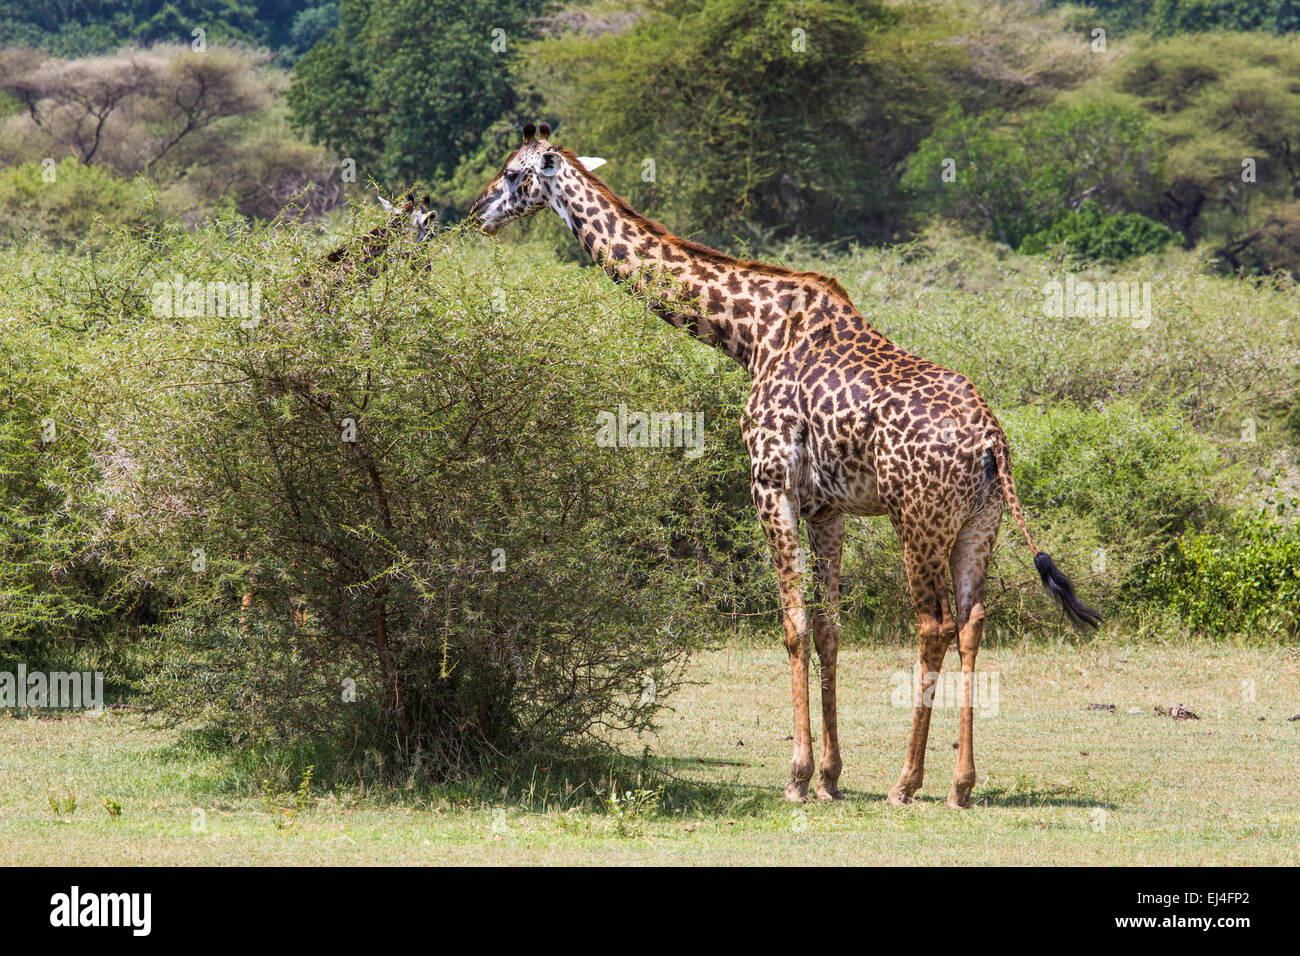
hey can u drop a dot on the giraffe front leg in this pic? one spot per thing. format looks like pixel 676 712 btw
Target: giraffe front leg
pixel 780 519
pixel 827 540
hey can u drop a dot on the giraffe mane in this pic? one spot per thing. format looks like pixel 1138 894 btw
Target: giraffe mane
pixel 698 248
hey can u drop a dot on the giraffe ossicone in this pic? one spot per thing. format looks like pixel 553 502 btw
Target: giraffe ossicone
pixel 839 421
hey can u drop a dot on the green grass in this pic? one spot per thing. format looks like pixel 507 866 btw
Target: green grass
pixel 1058 783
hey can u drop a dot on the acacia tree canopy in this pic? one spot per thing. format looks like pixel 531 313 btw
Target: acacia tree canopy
pixel 129 110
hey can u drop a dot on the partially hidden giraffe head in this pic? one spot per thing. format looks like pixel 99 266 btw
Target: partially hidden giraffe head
pixel 421 218
pixel 527 182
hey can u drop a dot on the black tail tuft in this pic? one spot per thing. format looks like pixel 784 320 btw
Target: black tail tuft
pixel 1061 591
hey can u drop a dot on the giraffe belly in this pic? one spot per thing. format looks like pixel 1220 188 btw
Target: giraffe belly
pixel 848 489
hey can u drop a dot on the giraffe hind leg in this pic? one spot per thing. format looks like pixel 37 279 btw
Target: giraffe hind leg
pixel 927 579
pixel 969 565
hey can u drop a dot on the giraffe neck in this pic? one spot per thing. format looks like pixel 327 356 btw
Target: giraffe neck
pixel 733 306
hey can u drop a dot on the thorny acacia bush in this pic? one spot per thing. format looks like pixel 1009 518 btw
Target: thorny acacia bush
pixel 43 594
pixel 404 474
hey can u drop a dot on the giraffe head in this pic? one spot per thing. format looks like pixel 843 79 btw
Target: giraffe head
pixel 529 180
pixel 420 218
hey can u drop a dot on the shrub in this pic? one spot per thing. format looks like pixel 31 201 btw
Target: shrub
pixel 80 202
pixel 1241 579
pixel 1088 234
pixel 1132 475
pixel 44 463
pixel 406 479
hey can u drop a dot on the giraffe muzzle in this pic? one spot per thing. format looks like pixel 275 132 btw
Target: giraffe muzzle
pixel 476 216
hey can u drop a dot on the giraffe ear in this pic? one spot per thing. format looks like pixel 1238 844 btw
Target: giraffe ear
pixel 591 162
pixel 529 132
pixel 544 130
pixel 387 206
pixel 548 164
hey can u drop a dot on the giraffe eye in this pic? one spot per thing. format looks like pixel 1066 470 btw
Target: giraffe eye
pixel 512 177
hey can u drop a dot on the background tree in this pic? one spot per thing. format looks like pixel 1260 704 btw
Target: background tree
pixel 1218 100
pixel 1192 16
pixel 75 28
pixel 408 88
pixel 129 111
pixel 201 130
pixel 771 118
pixel 1014 177
pixel 731 116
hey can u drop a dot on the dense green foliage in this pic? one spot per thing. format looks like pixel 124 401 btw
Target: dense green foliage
pixel 705 105
pixel 69 202
pixel 43 592
pixel 1010 181
pixel 84 27
pixel 408 88
pixel 1091 235
pixel 1194 16
pixel 1243 579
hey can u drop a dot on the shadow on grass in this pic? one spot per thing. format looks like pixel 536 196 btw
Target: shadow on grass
pixel 1017 796
pixel 578 780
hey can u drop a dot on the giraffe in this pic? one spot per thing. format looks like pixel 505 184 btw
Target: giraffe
pixel 839 421
pixel 418 221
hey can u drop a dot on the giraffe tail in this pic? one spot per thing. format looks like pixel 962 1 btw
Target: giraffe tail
pixel 1055 581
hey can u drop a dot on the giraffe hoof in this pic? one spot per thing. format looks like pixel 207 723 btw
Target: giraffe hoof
pixel 796 792
pixel 899 796
pixel 829 792
pixel 958 801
